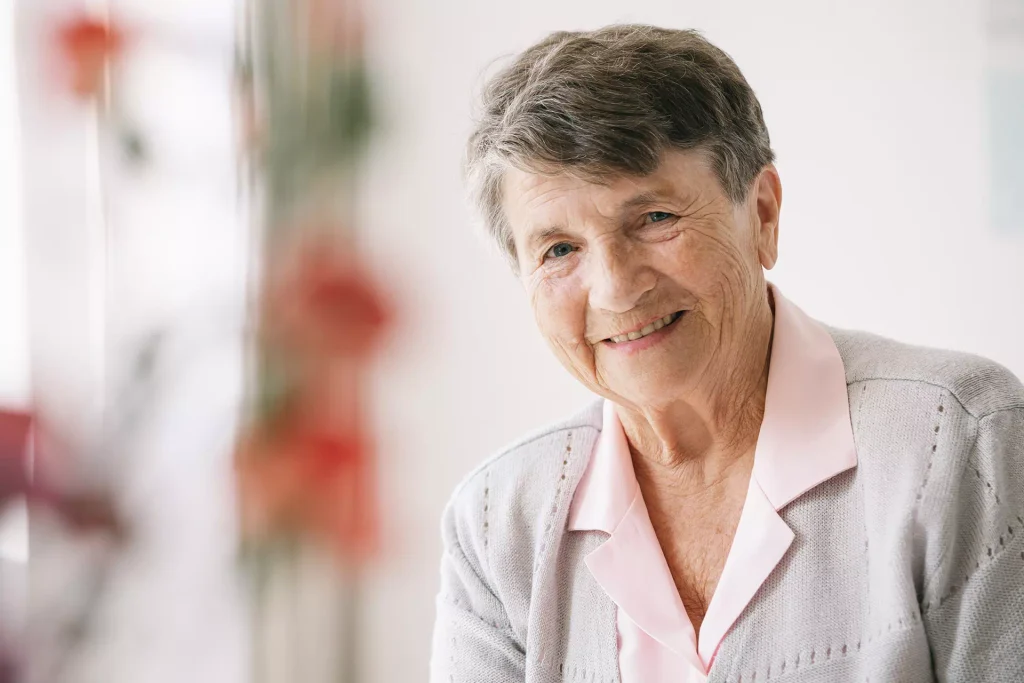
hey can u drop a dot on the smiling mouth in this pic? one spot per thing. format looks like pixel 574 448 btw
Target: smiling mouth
pixel 649 329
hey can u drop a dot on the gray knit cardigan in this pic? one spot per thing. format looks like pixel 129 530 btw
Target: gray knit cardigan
pixel 907 568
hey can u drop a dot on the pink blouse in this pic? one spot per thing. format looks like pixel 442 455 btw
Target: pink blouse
pixel 805 439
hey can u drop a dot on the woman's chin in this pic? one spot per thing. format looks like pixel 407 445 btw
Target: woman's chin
pixel 649 390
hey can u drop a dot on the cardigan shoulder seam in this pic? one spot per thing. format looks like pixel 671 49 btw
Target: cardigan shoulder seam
pixel 938 385
pixel 576 423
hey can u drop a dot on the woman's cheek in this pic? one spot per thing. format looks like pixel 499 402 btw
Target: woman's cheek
pixel 560 309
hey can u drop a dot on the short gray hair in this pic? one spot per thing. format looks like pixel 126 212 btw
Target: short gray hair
pixel 612 101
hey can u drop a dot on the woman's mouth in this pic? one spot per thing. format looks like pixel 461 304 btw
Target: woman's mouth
pixel 647 330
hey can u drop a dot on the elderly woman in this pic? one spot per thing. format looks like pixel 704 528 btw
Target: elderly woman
pixel 758 496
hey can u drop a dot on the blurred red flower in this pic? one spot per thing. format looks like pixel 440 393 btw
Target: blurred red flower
pixel 88 46
pixel 304 465
pixel 307 479
pixel 15 428
pixel 335 26
pixel 323 302
pixel 82 511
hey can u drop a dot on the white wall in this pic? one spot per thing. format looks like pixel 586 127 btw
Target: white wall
pixel 13 336
pixel 876 110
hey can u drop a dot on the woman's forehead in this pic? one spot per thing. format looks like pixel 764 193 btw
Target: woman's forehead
pixel 529 195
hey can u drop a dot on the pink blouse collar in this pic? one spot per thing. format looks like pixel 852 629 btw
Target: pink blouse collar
pixel 806 438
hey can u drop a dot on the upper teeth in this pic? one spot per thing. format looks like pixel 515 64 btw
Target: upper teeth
pixel 656 325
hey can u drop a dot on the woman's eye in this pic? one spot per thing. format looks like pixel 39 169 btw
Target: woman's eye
pixel 559 250
pixel 658 216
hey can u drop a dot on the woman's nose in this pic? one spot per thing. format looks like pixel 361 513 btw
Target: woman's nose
pixel 618 278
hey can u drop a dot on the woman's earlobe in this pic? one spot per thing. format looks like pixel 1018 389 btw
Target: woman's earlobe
pixel 769 253
pixel 768 244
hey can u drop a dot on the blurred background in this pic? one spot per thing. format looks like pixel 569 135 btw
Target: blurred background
pixel 899 129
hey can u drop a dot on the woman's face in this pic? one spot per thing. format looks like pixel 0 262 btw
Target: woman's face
pixel 645 287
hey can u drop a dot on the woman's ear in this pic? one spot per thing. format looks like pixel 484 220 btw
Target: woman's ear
pixel 768 200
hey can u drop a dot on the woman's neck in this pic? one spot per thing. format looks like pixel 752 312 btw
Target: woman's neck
pixel 700 438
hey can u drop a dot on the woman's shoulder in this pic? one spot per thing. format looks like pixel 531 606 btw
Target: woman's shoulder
pixel 979 385
pixel 504 516
pixel 525 480
pixel 536 451
pixel 940 440
pixel 923 418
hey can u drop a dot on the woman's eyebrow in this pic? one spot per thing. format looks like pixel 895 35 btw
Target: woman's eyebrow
pixel 645 198
pixel 640 200
pixel 538 237
pixel 683 202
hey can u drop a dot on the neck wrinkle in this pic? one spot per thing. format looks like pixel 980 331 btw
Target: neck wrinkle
pixel 702 440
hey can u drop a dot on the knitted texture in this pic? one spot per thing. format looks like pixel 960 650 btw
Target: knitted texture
pixel 908 568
